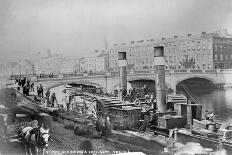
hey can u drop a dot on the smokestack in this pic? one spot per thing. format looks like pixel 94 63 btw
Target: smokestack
pixel 159 63
pixel 122 74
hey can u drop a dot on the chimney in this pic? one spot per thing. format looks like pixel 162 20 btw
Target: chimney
pixel 203 33
pixel 159 63
pixel 122 74
pixel 132 42
pixel 189 35
pixel 175 37
pixel 163 38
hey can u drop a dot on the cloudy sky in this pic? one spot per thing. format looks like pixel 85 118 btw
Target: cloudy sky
pixel 77 27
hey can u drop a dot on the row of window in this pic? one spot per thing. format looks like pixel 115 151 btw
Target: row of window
pixel 145 53
pixel 222 47
pixel 184 49
pixel 198 57
pixel 221 57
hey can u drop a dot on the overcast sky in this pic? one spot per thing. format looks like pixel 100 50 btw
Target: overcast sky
pixel 77 27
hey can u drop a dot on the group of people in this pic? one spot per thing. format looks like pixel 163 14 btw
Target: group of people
pixel 50 100
pixel 28 86
pixel 25 83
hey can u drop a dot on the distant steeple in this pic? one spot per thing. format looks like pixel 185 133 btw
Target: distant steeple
pixel 106 42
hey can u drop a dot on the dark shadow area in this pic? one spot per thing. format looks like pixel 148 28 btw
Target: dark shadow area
pixel 138 84
pixel 196 86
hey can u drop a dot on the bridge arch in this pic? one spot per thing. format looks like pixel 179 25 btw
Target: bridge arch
pixel 195 85
pixel 84 82
pixel 196 77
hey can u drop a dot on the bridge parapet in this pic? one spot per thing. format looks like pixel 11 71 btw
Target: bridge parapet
pixel 67 75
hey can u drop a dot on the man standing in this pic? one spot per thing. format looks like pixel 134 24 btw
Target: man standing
pixel 53 100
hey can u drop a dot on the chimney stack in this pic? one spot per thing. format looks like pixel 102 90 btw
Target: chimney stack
pixel 175 37
pixel 122 73
pixel 163 38
pixel 159 63
pixel 203 33
pixel 189 35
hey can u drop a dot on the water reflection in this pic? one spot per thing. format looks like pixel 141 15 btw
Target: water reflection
pixel 219 101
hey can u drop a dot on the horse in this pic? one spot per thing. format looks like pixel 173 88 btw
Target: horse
pixel 35 138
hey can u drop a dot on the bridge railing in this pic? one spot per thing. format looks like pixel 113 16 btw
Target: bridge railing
pixel 139 72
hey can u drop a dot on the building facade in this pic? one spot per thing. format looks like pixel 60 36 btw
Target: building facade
pixel 48 64
pixel 94 64
pixel 203 51
pixel 222 50
pixel 70 66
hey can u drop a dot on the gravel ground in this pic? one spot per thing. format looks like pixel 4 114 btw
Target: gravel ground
pixel 66 140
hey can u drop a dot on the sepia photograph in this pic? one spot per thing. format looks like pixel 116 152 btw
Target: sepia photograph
pixel 115 77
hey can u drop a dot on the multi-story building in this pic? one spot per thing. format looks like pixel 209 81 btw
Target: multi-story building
pixel 203 51
pixel 222 50
pixel 51 63
pixel 70 66
pixel 95 64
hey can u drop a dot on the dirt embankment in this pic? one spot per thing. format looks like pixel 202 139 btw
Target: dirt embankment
pixel 64 140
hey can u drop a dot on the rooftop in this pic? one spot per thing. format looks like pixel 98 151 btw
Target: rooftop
pixel 203 35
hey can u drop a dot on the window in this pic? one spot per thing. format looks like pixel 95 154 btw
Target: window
pixel 231 56
pixel 215 47
pixel 203 47
pixel 221 57
pixel 198 56
pixel 209 47
pixel 209 57
pixel 220 47
pixel 198 48
pixel 226 57
pixel 203 57
pixel 209 66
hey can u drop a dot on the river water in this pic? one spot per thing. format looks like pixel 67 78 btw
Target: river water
pixel 218 101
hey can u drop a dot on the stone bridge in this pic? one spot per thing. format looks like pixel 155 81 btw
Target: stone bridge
pixel 108 81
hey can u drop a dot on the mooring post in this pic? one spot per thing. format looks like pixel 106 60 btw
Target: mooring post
pixel 159 63
pixel 122 73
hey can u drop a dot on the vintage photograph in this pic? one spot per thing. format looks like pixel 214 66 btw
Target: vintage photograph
pixel 116 77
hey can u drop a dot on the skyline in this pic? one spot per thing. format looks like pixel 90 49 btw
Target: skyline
pixel 77 28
